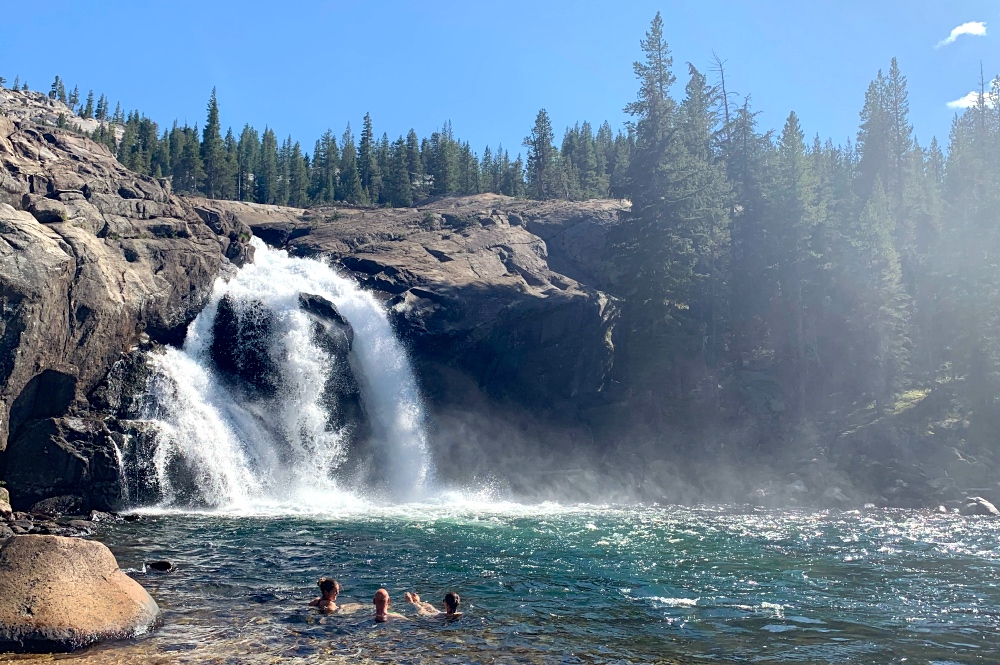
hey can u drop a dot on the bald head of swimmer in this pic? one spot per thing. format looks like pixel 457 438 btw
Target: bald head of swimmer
pixel 381 601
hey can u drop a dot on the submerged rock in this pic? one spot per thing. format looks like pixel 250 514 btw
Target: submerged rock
pixel 62 594
pixel 160 566
pixel 977 505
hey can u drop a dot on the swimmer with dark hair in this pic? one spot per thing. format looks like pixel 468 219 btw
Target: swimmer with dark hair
pixel 382 613
pixel 424 609
pixel 329 590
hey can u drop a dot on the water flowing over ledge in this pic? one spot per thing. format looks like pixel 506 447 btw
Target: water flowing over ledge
pixel 221 448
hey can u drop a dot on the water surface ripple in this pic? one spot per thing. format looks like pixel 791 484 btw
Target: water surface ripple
pixel 552 584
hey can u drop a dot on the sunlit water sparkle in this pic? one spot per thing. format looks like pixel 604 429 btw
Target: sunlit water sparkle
pixel 570 584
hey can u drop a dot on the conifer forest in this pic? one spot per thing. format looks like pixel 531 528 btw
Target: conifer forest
pixel 769 282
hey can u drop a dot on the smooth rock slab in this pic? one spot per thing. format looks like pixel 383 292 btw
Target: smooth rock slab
pixel 61 594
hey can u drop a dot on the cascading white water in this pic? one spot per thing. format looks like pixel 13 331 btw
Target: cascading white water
pixel 238 453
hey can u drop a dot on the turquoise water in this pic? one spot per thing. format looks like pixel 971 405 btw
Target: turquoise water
pixel 553 584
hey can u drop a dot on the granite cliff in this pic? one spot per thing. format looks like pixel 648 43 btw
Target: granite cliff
pixel 492 295
pixel 94 260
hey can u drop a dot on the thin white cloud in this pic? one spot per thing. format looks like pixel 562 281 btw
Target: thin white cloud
pixel 969 101
pixel 973 28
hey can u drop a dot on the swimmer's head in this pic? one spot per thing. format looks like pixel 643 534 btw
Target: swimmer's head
pixel 451 601
pixel 328 586
pixel 381 601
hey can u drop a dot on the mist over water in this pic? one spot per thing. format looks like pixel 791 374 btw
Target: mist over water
pixel 258 499
pixel 218 449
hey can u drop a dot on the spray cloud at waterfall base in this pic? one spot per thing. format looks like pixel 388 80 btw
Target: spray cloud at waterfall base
pixel 291 392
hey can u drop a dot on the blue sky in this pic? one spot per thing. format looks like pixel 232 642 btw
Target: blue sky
pixel 301 66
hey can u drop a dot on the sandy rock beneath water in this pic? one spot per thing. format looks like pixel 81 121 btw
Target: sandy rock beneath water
pixel 61 594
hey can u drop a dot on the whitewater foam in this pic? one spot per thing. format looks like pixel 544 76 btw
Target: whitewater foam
pixel 218 451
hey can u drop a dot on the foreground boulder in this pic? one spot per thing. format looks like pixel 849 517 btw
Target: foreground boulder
pixel 61 594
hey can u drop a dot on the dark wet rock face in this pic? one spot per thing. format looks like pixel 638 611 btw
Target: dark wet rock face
pixel 242 337
pixel 342 393
pixel 68 464
pixel 471 289
pixel 501 340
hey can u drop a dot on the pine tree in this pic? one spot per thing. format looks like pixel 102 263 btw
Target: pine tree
pixel 442 162
pixel 74 97
pixel 545 181
pixel 284 172
pixel 619 165
pixel 487 181
pixel 213 153
pixel 468 171
pixel 586 162
pixel 248 152
pixel 160 162
pixel 605 149
pixel 102 109
pixel 368 168
pixel 298 183
pixel 267 177
pixel 880 317
pixel 326 164
pixel 88 110
pixel 569 151
pixel 188 172
pixel 382 159
pixel 398 189
pixel 228 190
pixel 749 156
pixel 794 217
pixel 415 165
pixel 349 186
pixel 513 176
pixel 671 249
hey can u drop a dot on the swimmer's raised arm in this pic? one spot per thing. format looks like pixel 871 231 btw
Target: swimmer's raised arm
pixel 425 609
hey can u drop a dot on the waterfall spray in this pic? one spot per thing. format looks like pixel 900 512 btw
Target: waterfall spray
pixel 220 447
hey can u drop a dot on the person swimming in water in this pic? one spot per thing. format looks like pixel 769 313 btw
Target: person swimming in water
pixel 382 613
pixel 329 590
pixel 424 609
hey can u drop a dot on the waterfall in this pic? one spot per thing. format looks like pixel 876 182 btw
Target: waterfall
pixel 224 446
